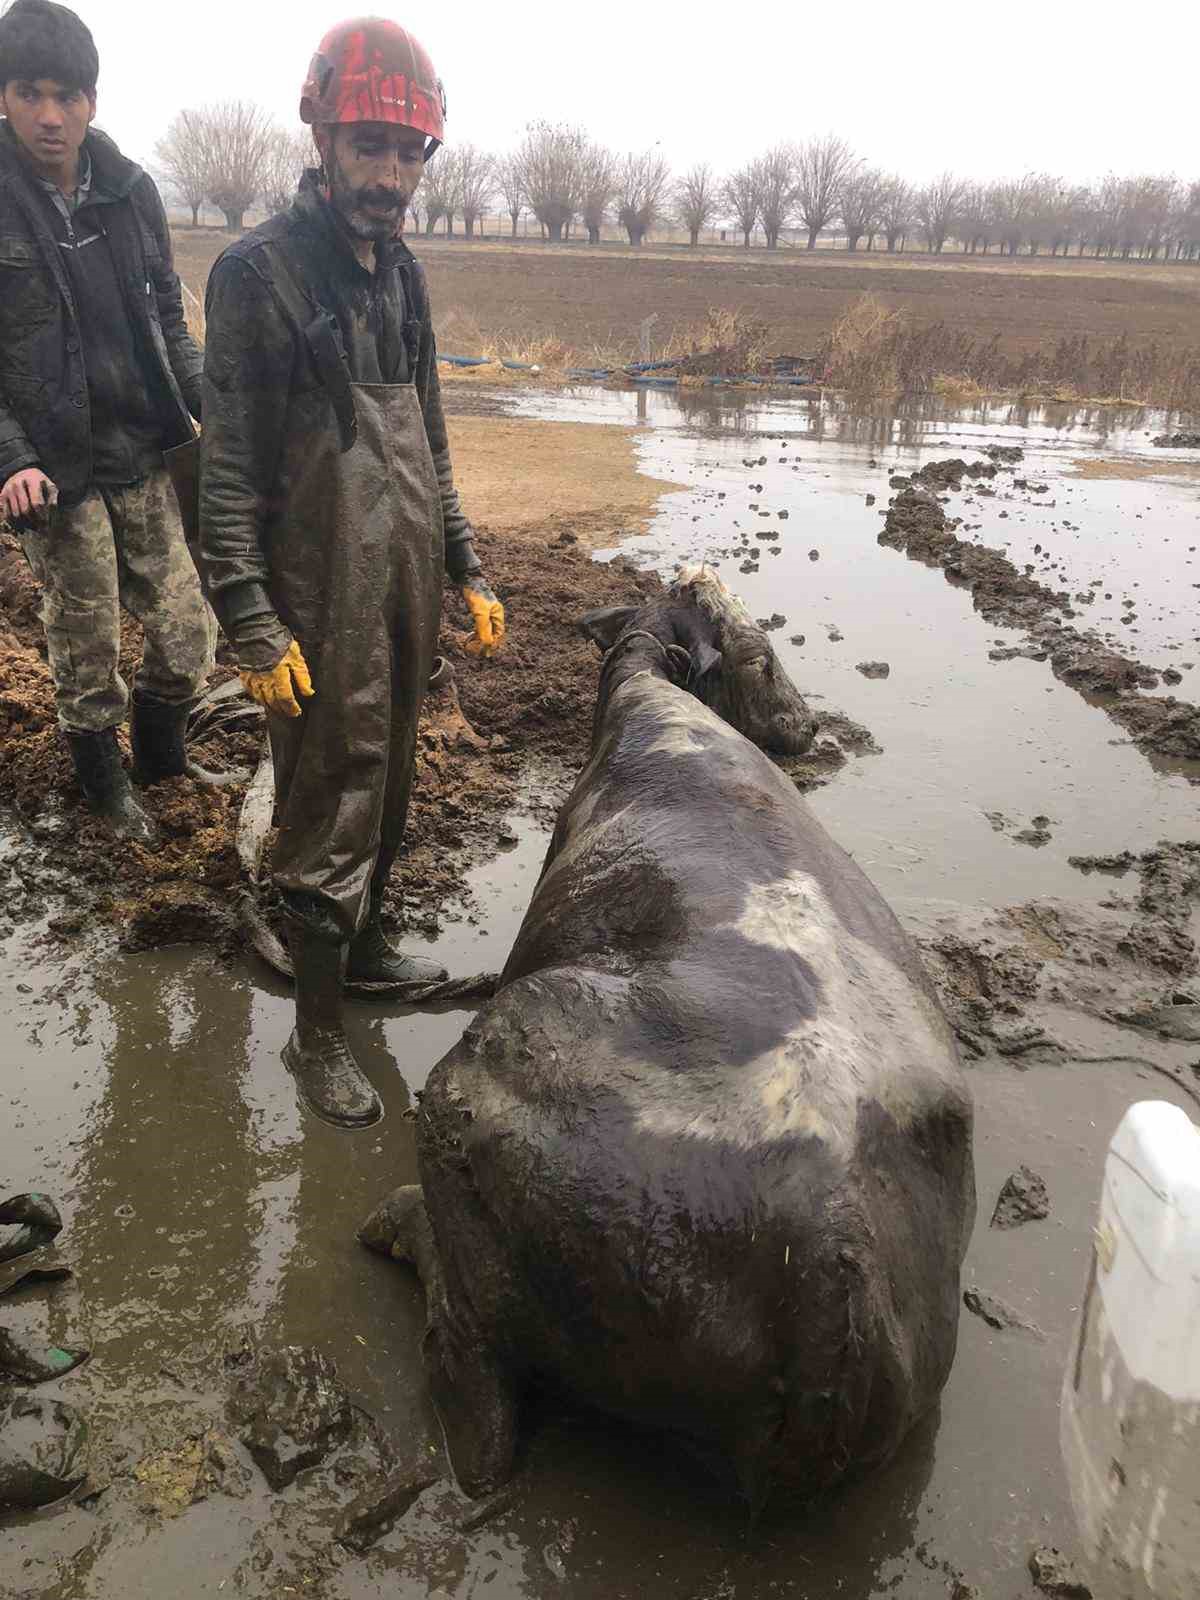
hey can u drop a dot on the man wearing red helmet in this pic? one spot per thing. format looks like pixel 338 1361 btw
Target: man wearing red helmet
pixel 328 515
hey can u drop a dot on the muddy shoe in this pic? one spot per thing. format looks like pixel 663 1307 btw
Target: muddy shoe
pixel 43 1452
pixel 106 787
pixel 374 959
pixel 330 1080
pixel 157 732
pixel 27 1222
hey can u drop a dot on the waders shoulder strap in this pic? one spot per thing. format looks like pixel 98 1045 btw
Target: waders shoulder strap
pixel 323 338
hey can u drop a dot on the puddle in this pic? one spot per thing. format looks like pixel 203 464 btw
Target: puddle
pixel 148 1096
pixel 963 736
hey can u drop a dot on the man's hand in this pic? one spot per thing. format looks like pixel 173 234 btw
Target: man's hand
pixel 26 496
pixel 488 616
pixel 277 689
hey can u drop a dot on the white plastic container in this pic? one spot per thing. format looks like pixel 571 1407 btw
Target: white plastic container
pixel 1130 1416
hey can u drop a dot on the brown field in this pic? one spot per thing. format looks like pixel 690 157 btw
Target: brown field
pixel 511 297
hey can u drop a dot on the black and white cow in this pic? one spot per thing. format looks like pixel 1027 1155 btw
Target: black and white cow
pixel 704 1162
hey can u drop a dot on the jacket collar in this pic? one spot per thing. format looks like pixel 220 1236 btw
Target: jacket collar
pixel 112 173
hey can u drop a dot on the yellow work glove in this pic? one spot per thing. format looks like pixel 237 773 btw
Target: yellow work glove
pixel 488 616
pixel 277 689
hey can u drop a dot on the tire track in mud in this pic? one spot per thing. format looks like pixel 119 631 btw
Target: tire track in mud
pixel 917 524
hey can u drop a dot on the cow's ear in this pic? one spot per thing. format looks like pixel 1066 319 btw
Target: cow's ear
pixel 605 627
pixel 705 660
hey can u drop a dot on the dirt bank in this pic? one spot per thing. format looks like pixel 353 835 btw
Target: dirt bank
pixel 543 478
pixel 917 524
pixel 1017 981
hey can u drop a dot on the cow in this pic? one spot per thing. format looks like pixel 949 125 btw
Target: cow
pixel 704 1161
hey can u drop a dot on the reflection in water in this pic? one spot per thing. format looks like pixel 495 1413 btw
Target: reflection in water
pixel 899 423
pixel 169 1175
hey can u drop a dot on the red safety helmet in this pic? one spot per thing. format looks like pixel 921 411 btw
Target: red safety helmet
pixel 373 70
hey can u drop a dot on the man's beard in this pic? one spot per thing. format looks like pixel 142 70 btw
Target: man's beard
pixel 351 204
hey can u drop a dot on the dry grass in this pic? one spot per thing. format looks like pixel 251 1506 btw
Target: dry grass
pixel 872 350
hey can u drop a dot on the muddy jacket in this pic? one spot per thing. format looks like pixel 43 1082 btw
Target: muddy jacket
pixel 262 380
pixel 45 420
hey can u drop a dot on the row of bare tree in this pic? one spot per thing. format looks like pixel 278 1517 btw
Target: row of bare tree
pixel 232 156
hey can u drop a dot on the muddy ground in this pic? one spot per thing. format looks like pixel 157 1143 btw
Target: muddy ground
pixel 589 299
pixel 1068 1003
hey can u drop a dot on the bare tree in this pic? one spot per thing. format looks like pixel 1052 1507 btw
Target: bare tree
pixel 441 189
pixel 860 203
pixel 236 141
pixel 181 156
pixel 598 184
pixel 510 180
pixel 937 207
pixel 551 162
pixel 822 167
pixel 476 184
pixel 642 182
pixel 287 156
pixel 695 200
pixel 740 193
pixel 896 207
pixel 776 176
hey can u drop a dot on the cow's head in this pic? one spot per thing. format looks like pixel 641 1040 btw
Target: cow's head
pixel 700 635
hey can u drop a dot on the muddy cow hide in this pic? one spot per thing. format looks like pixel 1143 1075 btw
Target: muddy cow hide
pixel 704 1162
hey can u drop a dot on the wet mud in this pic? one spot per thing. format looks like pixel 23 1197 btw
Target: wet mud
pixel 918 525
pixel 527 711
pixel 207 1259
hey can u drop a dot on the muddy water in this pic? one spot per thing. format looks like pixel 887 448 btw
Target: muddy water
pixel 146 1093
pixel 963 736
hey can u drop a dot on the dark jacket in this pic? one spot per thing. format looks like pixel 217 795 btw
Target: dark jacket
pixel 44 415
pixel 261 382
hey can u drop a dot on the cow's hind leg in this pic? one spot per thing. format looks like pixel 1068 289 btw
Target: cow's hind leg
pixel 399 1228
pixel 476 1402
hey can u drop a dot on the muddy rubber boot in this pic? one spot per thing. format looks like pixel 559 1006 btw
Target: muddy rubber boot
pixel 330 1080
pixel 158 734
pixel 106 787
pixel 374 959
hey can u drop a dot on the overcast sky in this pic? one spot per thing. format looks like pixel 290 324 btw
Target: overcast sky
pixel 1075 87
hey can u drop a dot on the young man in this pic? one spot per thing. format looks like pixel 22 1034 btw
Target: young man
pixel 328 515
pixel 97 377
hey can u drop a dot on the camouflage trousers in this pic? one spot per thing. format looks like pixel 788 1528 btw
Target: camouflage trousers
pixel 120 547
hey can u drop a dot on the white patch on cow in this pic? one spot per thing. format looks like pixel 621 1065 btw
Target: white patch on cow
pixel 875 1036
pixel 682 724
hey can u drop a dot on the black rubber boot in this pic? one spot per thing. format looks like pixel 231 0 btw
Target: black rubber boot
pixel 158 734
pixel 330 1080
pixel 106 787
pixel 374 959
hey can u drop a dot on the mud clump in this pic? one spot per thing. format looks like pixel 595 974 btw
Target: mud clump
pixel 1163 725
pixel 1022 1199
pixel 1005 977
pixel 1178 441
pixel 1054 1575
pixel 944 475
pixel 292 1412
pixel 997 1313
pixel 917 524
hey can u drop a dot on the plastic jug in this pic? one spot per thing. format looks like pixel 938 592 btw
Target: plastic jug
pixel 1130 1415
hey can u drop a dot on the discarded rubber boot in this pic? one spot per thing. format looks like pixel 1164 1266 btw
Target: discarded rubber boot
pixel 27 1222
pixel 43 1452
pixel 374 959
pixel 106 786
pixel 330 1080
pixel 158 734
pixel 26 1361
